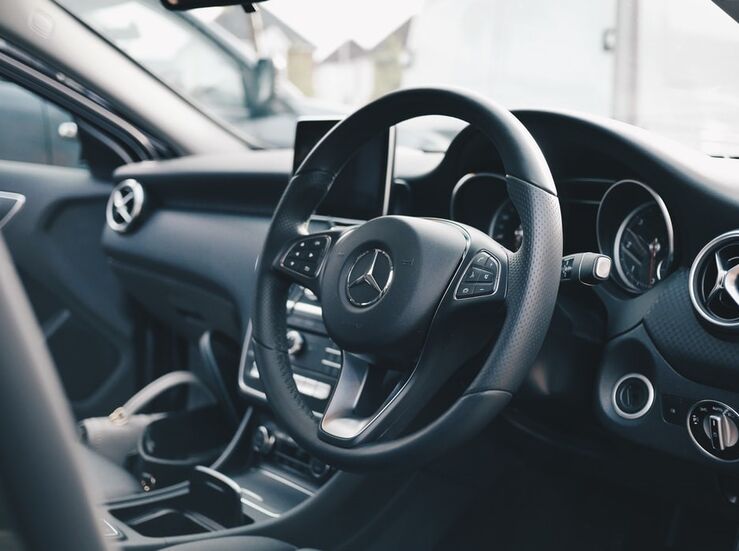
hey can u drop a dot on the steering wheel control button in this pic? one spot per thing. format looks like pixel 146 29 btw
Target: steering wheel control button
pixel 713 428
pixel 465 290
pixel 633 396
pixel 480 278
pixel 307 268
pixel 483 289
pixel 481 260
pixel 305 256
pixel 487 277
pixel 473 274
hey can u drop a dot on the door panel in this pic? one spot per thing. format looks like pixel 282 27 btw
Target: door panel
pixel 55 241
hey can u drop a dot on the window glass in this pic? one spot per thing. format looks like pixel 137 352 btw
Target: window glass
pixel 34 130
pixel 174 50
pixel 669 66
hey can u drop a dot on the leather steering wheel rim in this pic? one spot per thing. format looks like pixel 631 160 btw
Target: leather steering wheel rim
pixel 530 288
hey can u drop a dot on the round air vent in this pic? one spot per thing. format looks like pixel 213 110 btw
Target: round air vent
pixel 714 281
pixel 125 205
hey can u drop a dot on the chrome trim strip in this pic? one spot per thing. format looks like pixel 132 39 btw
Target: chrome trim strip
pixel 114 533
pixel 329 363
pixel 665 214
pixel 230 482
pixel 252 494
pixel 19 199
pixel 259 508
pixel 463 181
pixel 712 246
pixel 67 98
pixel 304 308
pixel 285 482
pixel 650 397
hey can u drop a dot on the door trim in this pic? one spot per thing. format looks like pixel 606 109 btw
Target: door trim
pixel 19 199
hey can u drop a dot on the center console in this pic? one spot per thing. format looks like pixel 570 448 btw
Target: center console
pixel 262 474
pixel 316 359
pixel 361 191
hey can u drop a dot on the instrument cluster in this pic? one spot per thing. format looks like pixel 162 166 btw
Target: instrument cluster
pixel 628 222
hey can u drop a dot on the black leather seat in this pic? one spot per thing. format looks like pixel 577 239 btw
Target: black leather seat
pixel 44 459
pixel 237 543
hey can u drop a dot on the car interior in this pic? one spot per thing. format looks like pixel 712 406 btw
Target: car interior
pixel 526 340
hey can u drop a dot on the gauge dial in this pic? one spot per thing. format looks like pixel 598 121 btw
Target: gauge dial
pixel 643 248
pixel 505 227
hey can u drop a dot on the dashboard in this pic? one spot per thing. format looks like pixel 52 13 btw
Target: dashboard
pixel 649 356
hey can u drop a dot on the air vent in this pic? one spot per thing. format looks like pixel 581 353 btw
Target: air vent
pixel 714 281
pixel 125 205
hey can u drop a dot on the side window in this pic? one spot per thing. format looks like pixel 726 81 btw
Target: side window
pixel 174 50
pixel 32 130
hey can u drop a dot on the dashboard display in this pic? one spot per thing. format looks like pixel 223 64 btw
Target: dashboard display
pixel 642 248
pixel 362 189
pixel 505 226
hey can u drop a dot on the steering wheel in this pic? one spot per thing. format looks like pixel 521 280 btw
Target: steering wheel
pixel 410 300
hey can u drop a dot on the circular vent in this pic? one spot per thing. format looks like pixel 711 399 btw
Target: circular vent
pixel 125 205
pixel 714 281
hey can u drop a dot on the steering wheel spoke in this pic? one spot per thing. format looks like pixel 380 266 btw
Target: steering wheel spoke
pixel 373 402
pixel 355 403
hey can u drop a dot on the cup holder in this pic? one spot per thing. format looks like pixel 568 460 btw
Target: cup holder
pixel 162 523
pixel 211 502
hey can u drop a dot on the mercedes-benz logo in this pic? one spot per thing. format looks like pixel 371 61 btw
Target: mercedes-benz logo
pixel 124 205
pixel 369 278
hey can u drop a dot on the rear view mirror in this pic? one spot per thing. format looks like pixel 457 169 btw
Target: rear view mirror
pixel 260 88
pixel 183 5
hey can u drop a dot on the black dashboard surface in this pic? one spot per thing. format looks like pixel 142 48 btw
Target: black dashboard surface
pixel 191 259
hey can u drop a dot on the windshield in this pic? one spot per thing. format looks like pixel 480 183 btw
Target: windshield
pixel 669 66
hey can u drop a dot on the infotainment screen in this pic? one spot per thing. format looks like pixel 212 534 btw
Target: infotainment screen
pixel 362 189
